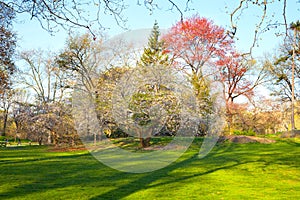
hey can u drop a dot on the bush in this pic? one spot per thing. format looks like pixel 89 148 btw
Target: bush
pixel 278 133
pixel 117 133
pixel 247 133
pixel 3 138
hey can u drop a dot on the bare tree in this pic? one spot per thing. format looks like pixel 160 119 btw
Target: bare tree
pixel 295 27
pixel 45 81
pixel 285 69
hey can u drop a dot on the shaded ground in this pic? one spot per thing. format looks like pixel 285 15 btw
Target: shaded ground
pixel 230 171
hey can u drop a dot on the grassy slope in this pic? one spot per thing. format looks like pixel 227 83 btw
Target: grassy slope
pixel 230 171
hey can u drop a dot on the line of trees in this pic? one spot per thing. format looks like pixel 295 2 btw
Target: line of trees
pixel 36 102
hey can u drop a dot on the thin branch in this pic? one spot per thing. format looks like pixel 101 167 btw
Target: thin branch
pixel 284 17
pixel 177 8
pixel 234 26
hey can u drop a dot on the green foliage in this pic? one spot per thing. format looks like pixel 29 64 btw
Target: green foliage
pixel 295 25
pixel 202 91
pixel 104 98
pixel 149 104
pixel 116 132
pixel 156 101
pixel 3 138
pixel 278 133
pixel 247 133
pixel 205 100
pixel 153 54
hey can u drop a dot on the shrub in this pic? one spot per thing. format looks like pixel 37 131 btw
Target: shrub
pixel 247 133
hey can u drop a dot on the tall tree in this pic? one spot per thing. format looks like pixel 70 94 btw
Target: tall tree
pixel 86 60
pixel 6 103
pixel 284 69
pixel 7 45
pixel 7 66
pixel 149 95
pixel 239 77
pixel 295 27
pixel 83 61
pixel 195 46
pixel 45 81
pixel 41 74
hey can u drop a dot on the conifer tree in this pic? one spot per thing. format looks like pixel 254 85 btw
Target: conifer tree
pixel 153 53
pixel 152 94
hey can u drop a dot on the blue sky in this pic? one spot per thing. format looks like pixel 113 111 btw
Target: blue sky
pixel 31 35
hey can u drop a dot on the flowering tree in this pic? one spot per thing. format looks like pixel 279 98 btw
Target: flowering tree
pixel 195 46
pixel 196 42
pixel 205 53
pixel 47 119
pixel 236 77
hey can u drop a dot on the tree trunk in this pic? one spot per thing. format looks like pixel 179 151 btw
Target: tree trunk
pixel 72 142
pixel 293 83
pixel 145 142
pixel 229 114
pixel 49 138
pixel 95 138
pixel 54 138
pixel 98 115
pixel 100 134
pixel 5 122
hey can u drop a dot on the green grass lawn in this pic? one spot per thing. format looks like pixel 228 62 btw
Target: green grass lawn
pixel 230 171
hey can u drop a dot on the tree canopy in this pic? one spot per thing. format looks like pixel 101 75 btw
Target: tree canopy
pixel 7 45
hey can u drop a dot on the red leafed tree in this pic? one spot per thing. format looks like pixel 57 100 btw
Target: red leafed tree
pixel 237 78
pixel 196 42
pixel 201 49
pixel 233 75
pixel 195 45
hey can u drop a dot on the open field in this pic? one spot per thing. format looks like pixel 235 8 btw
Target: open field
pixel 230 171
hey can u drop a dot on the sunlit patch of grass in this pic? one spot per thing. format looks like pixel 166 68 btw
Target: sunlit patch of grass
pixel 230 171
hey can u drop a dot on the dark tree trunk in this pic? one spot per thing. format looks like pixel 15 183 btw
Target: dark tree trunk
pixel 229 114
pixel 5 122
pixel 98 115
pixel 145 142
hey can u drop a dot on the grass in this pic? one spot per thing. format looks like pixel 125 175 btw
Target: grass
pixel 230 171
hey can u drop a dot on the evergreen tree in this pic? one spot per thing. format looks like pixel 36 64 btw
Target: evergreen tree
pixel 152 98
pixel 153 54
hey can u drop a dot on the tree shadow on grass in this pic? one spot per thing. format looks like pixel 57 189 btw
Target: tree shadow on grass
pixel 223 157
pixel 55 173
pixel 148 181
